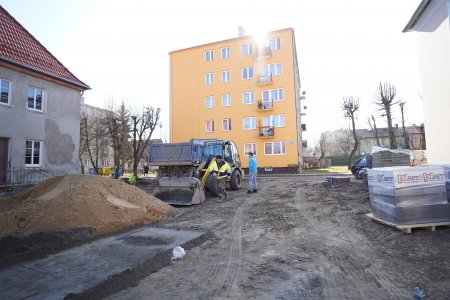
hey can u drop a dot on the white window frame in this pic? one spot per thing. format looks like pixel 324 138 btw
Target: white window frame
pixel 209 55
pixel 104 163
pixel 33 164
pixel 226 124
pixel 209 101
pixel 272 95
pixel 281 145
pixel 209 78
pixel 225 52
pixel 249 147
pixel 251 97
pixel 246 49
pixel 209 126
pixel 275 69
pixel 226 100
pixel 8 91
pixel 274 43
pixel 86 162
pixel 246 73
pixel 35 89
pixel 275 120
pixel 251 122
pixel 226 76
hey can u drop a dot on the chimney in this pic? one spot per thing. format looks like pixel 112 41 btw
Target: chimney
pixel 241 31
pixel 396 125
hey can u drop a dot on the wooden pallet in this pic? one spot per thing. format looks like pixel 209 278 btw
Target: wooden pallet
pixel 407 228
pixel 338 179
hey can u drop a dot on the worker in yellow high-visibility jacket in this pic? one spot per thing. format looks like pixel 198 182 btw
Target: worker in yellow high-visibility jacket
pixel 221 170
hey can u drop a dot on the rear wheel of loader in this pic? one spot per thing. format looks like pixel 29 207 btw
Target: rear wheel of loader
pixel 211 183
pixel 235 181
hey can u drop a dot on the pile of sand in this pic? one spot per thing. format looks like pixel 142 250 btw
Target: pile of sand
pixel 75 201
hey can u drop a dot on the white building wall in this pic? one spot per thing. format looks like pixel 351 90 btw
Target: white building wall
pixel 434 67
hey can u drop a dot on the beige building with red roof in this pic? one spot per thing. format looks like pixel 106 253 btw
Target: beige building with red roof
pixel 39 107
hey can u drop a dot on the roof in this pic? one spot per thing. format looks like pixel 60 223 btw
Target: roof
pixel 228 40
pixel 416 16
pixel 384 132
pixel 18 47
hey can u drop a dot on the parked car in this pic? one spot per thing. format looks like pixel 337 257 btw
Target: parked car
pixel 358 165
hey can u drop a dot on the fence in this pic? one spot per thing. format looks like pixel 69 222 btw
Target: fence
pixel 23 176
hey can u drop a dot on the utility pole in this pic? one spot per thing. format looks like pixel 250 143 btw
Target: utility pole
pixel 134 146
pixel 402 103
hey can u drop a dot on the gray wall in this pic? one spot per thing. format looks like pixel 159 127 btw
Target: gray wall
pixel 58 126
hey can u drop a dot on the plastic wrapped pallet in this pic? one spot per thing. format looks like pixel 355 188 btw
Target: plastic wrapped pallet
pixel 409 195
pixel 446 174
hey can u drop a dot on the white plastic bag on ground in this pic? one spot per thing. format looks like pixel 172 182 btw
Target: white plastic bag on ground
pixel 178 252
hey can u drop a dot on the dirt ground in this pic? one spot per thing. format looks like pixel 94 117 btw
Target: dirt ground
pixel 297 238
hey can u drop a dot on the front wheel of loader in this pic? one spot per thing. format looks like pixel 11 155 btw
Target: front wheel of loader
pixel 235 181
pixel 211 183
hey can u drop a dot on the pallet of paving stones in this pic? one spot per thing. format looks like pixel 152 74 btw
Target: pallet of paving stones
pixel 409 227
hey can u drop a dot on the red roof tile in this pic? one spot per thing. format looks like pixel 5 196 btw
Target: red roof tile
pixel 19 47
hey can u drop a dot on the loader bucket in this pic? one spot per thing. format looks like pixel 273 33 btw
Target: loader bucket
pixel 180 190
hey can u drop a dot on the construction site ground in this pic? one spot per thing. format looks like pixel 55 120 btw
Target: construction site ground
pixel 297 238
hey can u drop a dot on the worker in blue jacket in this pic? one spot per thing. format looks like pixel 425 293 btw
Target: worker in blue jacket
pixel 252 172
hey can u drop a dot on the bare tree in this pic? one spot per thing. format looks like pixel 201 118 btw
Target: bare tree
pixel 405 135
pixel 350 106
pixel 93 135
pixel 385 99
pixel 322 147
pixel 373 127
pixel 143 127
pixel 117 123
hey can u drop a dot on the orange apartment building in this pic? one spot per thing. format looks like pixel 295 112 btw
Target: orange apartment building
pixel 243 90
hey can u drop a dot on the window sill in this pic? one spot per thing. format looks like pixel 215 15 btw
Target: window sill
pixel 7 105
pixel 36 111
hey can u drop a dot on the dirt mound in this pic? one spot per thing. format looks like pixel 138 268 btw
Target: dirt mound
pixel 76 201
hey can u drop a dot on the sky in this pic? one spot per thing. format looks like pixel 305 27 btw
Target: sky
pixel 344 48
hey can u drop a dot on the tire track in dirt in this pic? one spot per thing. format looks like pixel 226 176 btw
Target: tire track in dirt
pixel 222 278
pixel 342 251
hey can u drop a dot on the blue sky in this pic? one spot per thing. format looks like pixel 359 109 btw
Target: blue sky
pixel 345 48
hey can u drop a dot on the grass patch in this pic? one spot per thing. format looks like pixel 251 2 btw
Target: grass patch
pixel 333 169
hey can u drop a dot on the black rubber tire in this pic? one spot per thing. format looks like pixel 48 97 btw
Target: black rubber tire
pixel 357 175
pixel 211 183
pixel 236 180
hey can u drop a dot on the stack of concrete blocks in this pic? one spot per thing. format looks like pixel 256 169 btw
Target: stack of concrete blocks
pixel 418 157
pixel 447 176
pixel 409 195
pixel 389 158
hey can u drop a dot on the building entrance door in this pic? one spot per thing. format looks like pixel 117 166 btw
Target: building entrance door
pixel 3 159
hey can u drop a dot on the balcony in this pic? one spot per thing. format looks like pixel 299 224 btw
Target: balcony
pixel 264 52
pixel 264 79
pixel 265 105
pixel 266 132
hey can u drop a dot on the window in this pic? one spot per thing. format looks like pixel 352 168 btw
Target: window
pixel 249 123
pixel 274 121
pixel 104 163
pixel 248 97
pixel 303 127
pixel 225 53
pixel 210 126
pixel 275 148
pixel 33 150
pixel 209 78
pixel 35 98
pixel 209 55
pixel 226 100
pixel 274 44
pixel 272 69
pixel 246 49
pixel 4 91
pixel 251 147
pixel 226 124
pixel 209 101
pixel 247 73
pixel 226 76
pixel 273 94
pixel 86 162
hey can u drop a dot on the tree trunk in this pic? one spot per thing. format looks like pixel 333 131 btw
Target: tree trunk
pixel 392 140
pixel 356 144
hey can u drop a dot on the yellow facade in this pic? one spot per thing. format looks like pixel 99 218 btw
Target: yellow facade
pixel 273 128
